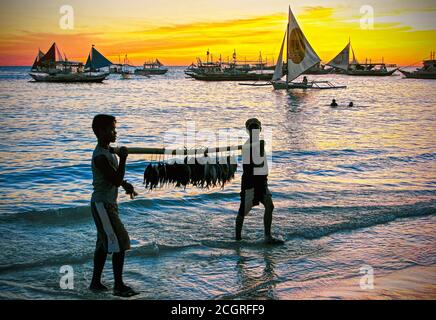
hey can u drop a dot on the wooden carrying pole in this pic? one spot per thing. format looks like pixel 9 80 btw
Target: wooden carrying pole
pixel 136 150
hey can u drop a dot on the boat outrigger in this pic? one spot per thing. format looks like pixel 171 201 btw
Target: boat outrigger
pixel 342 65
pixel 428 71
pixel 318 69
pixel 300 57
pixel 53 67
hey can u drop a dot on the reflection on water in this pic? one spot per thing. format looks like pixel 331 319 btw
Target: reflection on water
pixel 255 281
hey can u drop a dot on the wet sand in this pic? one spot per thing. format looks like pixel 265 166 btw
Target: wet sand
pixel 412 283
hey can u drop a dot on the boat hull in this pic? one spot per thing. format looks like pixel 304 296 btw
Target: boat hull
pixel 151 72
pixel 69 77
pixel 318 85
pixel 419 75
pixel 282 85
pixel 126 75
pixel 232 77
pixel 370 73
pixel 317 72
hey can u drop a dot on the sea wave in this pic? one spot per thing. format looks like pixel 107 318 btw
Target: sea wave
pixel 367 216
pixel 152 249
pixel 380 215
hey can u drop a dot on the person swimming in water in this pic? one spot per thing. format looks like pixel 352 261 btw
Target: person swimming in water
pixel 333 104
pixel 351 104
pixel 305 80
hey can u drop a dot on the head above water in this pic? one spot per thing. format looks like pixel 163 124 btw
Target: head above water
pixel 252 124
pixel 334 101
pixel 351 104
pixel 104 126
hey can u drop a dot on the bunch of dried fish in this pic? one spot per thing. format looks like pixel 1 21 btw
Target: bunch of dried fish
pixel 199 172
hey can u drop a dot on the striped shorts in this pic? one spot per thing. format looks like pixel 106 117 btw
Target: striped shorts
pixel 111 234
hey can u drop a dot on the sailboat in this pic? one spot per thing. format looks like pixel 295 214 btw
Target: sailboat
pixel 300 57
pixel 53 67
pixel 341 63
pixel 152 68
pixel 125 72
pixel 37 60
pixel 95 62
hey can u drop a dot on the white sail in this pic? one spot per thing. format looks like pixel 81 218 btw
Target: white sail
pixel 301 56
pixel 341 61
pixel 278 71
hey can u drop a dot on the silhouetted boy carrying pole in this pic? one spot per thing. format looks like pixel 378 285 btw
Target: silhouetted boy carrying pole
pixel 254 182
pixel 108 175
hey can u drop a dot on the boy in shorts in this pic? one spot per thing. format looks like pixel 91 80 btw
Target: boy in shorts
pixel 108 175
pixel 254 182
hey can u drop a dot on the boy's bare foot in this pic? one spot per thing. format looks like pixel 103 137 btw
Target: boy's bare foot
pixel 124 291
pixel 272 240
pixel 98 287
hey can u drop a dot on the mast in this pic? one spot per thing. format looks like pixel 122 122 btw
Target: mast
pixel 287 51
pixel 92 58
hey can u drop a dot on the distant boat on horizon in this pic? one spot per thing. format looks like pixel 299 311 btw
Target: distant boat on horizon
pixel 230 71
pixel 125 71
pixel 152 68
pixel 427 71
pixel 342 65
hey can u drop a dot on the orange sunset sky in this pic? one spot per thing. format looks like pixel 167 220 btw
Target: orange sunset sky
pixel 177 32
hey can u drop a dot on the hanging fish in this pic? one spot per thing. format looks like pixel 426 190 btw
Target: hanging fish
pixel 219 173
pixel 207 175
pixel 147 174
pixel 198 172
pixel 183 173
pixel 162 173
pixel 213 174
pixel 225 174
pixel 154 179
pixel 195 177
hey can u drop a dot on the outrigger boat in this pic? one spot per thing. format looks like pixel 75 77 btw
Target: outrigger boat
pixel 202 67
pixel 230 74
pixel 152 68
pixel 125 71
pixel 300 57
pixel 52 67
pixel 230 71
pixel 342 65
pixel 428 71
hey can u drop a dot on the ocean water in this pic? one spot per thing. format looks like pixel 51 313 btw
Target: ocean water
pixel 352 187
